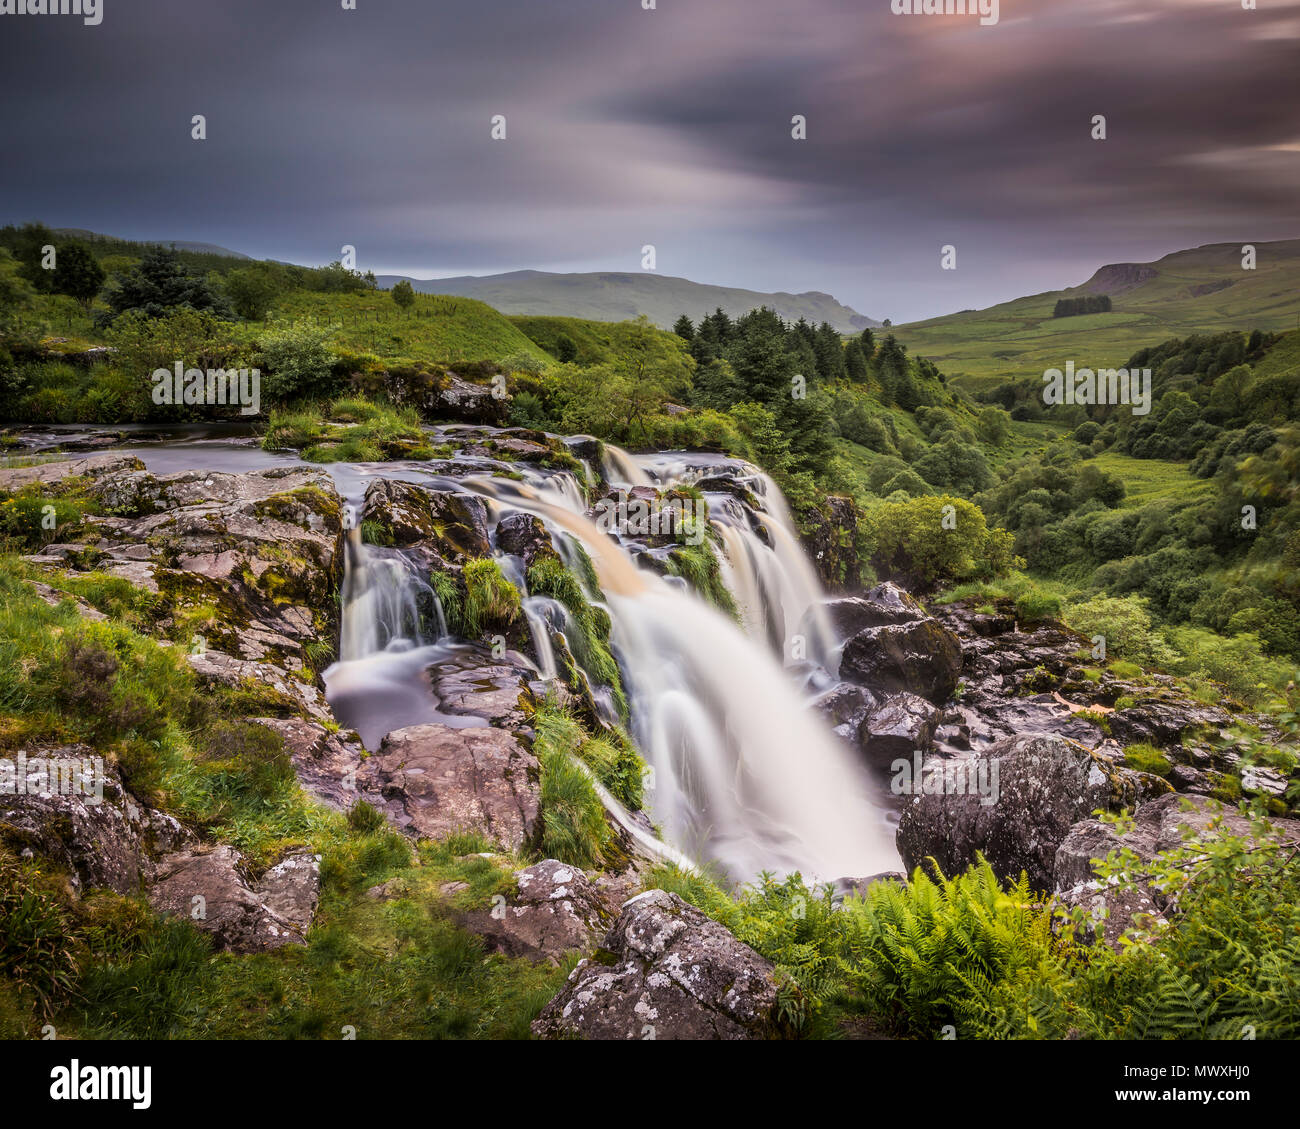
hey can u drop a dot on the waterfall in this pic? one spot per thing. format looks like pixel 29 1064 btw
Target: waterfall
pixel 743 772
pixel 378 684
pixel 380 603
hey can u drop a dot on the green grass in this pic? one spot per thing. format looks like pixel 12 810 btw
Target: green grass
pixel 436 327
pixel 1019 339
pixel 1147 758
pixel 1151 480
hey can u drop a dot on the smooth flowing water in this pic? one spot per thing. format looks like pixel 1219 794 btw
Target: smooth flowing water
pixel 744 773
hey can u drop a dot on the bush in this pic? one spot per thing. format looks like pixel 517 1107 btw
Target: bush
pixel 936 539
pixel 297 361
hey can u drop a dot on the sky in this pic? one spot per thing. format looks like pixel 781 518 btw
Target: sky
pixel 372 127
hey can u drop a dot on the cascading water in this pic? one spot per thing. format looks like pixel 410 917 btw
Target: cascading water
pixel 744 773
pixel 378 684
pixel 380 603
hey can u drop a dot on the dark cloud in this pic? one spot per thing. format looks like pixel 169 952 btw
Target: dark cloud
pixel 670 127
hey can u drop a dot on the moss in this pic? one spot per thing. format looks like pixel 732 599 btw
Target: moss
pixel 491 603
pixel 698 566
pixel 1147 758
pixel 590 640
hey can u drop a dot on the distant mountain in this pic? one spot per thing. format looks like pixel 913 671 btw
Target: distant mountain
pixel 1201 290
pixel 179 244
pixel 615 297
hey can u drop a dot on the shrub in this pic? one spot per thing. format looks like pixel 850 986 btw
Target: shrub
pixel 296 361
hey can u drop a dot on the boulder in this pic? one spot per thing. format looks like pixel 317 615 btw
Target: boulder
pixel 207 886
pixel 667 972
pixel 846 707
pixel 326 763
pixel 102 840
pixel 883 605
pixel 524 536
pixel 556 910
pixel 1045 785
pixel 436 780
pixel 920 657
pixel 453 525
pixel 898 727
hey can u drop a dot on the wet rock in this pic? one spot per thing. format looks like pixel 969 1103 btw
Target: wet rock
pixel 846 707
pixel 883 605
pixel 453 525
pixel 667 972
pixel 472 684
pixel 207 886
pixel 831 543
pixel 1045 785
pixel 1163 723
pixel 437 780
pixel 920 657
pixel 557 910
pixel 103 842
pixel 524 536
pixel 898 727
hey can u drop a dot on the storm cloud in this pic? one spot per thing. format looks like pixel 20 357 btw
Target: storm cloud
pixel 671 127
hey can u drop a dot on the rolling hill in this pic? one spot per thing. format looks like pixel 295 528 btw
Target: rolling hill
pixel 1200 290
pixel 617 296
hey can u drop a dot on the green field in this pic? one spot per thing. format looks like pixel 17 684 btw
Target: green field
pixel 1152 480
pixel 1019 339
pixel 435 327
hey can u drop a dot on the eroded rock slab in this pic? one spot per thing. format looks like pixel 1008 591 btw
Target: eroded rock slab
pixel 207 886
pixel 104 842
pixel 437 780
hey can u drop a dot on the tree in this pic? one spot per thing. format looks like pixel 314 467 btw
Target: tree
pixel 565 350
pixel 995 426
pixel 77 273
pixel 251 291
pixel 684 328
pixel 159 284
pixel 404 294
pixel 855 362
pixel 829 351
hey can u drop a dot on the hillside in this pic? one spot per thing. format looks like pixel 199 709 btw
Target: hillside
pixel 618 296
pixel 1203 290
pixel 95 237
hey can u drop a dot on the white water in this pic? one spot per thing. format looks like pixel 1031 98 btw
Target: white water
pixel 744 773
